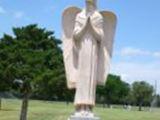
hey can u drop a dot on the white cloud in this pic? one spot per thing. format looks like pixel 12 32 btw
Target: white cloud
pixel 49 9
pixel 156 54
pixel 19 14
pixel 2 10
pixel 131 72
pixel 130 51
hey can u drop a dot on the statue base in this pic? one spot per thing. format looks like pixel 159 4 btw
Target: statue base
pixel 83 116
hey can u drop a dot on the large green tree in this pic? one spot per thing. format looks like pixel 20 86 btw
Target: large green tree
pixel 32 59
pixel 142 92
pixel 5 69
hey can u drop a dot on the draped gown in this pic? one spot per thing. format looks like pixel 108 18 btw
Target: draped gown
pixel 87 46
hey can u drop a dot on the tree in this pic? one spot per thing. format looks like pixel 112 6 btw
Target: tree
pixel 142 92
pixel 34 57
pixel 5 75
pixel 158 100
pixel 100 95
pixel 114 91
pixel 0 103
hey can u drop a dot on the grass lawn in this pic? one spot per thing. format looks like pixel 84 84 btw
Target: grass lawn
pixel 43 110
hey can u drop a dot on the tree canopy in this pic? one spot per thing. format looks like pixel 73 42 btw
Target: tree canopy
pixel 114 91
pixel 142 93
pixel 32 55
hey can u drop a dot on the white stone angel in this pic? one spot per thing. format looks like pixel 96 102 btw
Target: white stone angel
pixel 87 49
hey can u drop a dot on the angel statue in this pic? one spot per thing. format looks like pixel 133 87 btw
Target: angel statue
pixel 87 49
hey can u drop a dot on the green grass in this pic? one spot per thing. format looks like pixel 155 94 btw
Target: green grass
pixel 42 110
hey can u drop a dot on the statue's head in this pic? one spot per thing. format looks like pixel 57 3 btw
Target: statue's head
pixel 91 2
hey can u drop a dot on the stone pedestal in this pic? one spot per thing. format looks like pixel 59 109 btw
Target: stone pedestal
pixel 83 118
pixel 83 115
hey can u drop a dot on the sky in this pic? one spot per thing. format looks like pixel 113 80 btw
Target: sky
pixel 136 54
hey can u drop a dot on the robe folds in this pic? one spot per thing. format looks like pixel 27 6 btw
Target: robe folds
pixel 87 56
pixel 87 69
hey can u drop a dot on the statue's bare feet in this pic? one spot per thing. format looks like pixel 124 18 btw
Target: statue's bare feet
pixel 84 110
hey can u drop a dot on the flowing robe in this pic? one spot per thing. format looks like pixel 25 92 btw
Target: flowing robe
pixel 87 47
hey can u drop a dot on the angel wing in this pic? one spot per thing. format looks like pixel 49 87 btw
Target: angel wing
pixel 106 46
pixel 68 22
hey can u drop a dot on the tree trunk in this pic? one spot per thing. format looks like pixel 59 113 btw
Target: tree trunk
pixel 140 106
pixel 0 103
pixel 104 104
pixel 108 104
pixel 24 107
pixel 67 102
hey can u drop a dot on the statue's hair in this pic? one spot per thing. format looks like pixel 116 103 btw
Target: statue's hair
pixel 92 1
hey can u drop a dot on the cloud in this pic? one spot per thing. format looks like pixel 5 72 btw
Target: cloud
pixel 138 69
pixel 156 54
pixel 131 51
pixel 49 9
pixel 12 13
pixel 131 72
pixel 18 14
pixel 2 10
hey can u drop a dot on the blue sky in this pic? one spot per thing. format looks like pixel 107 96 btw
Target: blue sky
pixel 137 43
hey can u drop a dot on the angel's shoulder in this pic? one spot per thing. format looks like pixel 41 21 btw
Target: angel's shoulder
pixel 97 13
pixel 97 16
pixel 81 17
